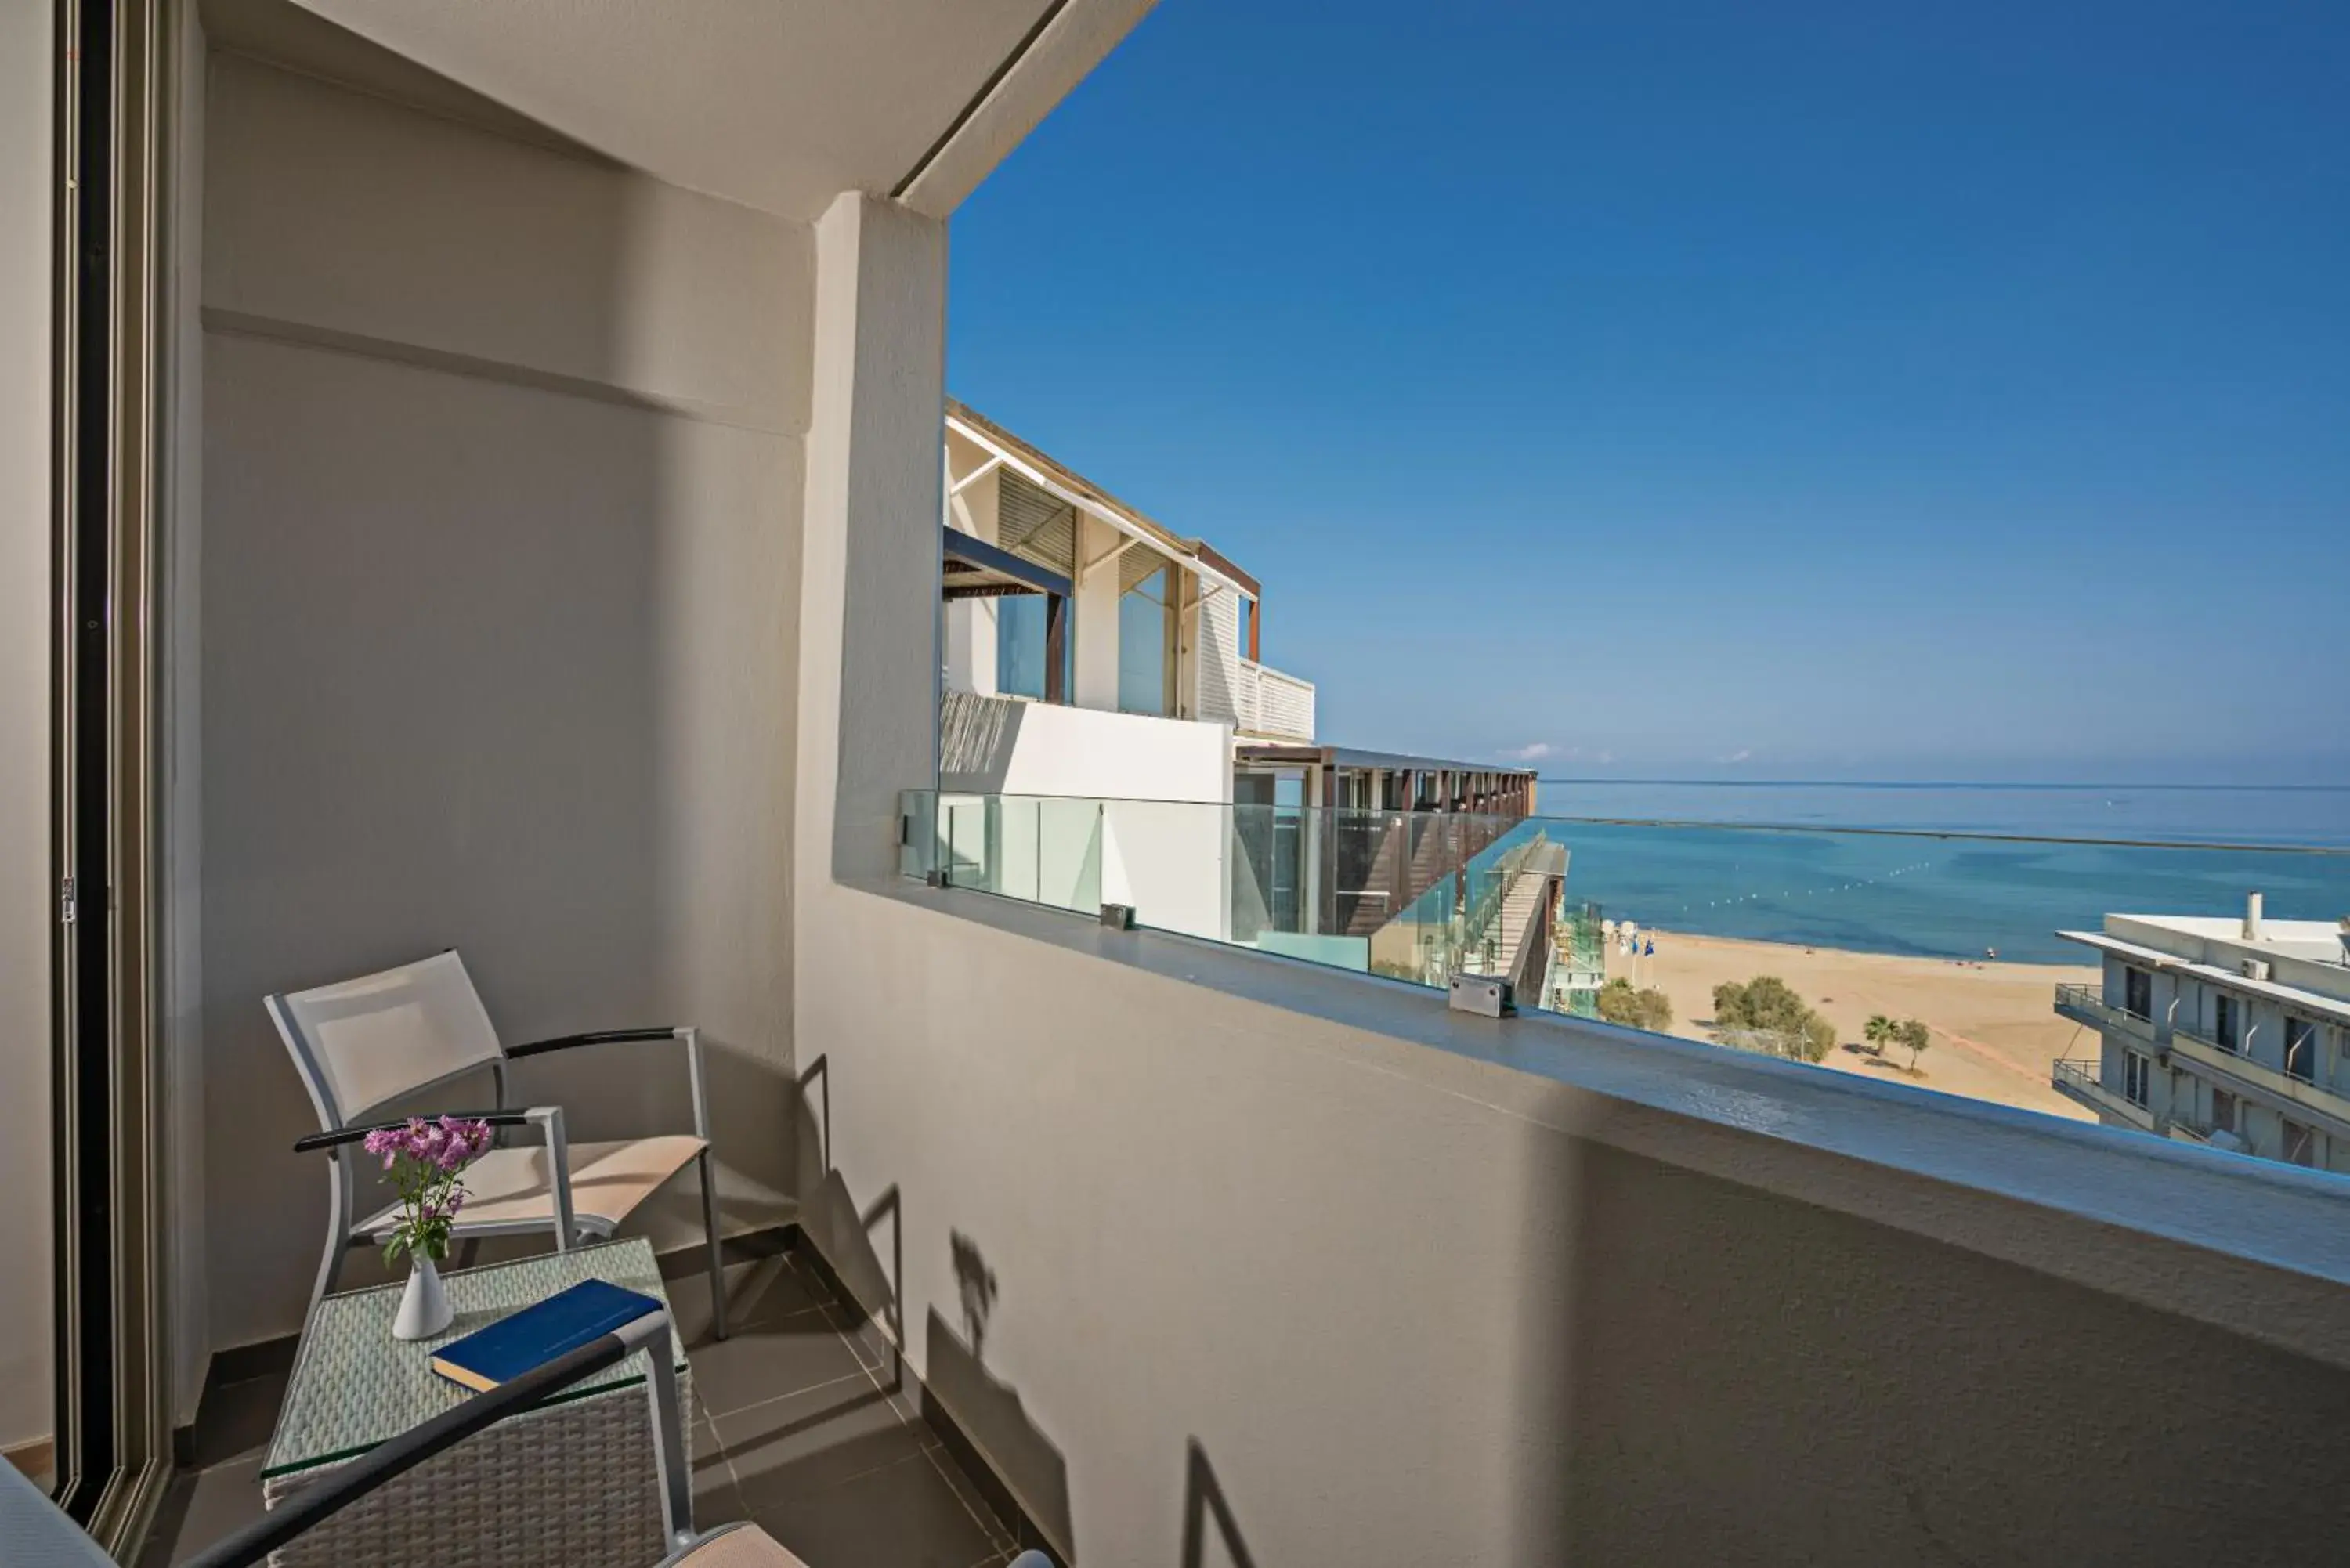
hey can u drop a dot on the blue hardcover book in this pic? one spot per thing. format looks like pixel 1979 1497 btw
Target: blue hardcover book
pixel 539 1333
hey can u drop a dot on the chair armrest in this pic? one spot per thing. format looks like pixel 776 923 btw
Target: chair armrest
pixel 349 1483
pixel 340 1136
pixel 686 1033
pixel 594 1037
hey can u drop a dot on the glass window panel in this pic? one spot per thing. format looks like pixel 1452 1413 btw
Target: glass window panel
pixel 1142 646
pixel 1020 645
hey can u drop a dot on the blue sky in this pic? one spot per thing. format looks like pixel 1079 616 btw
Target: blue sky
pixel 1788 391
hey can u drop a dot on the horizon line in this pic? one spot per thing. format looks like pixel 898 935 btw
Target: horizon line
pixel 1949 783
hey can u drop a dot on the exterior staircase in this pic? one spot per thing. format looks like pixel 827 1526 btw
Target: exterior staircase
pixel 1520 908
pixel 1427 846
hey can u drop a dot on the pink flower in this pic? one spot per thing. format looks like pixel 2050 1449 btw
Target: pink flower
pixel 466 1140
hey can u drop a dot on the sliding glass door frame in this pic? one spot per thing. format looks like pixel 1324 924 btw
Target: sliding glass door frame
pixel 114 1436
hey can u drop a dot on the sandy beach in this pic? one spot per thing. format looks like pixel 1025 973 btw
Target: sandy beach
pixel 1995 1029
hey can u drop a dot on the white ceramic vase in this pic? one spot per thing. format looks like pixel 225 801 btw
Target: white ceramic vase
pixel 424 1309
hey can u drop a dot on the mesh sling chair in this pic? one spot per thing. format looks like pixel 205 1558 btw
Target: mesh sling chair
pixel 361 1044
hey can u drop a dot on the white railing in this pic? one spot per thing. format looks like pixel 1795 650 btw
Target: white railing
pixel 1267 702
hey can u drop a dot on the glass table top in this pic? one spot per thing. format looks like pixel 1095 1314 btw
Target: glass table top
pixel 354 1385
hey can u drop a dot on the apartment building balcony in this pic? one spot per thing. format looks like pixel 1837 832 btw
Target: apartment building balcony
pixel 2086 1005
pixel 2315 1104
pixel 1269 705
pixel 2079 1081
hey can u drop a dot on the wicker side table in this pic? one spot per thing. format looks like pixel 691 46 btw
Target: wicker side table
pixel 573 1482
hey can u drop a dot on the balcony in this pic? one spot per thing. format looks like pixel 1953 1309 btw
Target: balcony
pixel 570 588
pixel 1271 705
pixel 2264 1085
pixel 2084 1005
pixel 1414 896
pixel 2079 1081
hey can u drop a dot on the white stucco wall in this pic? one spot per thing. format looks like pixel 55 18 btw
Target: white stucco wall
pixel 27 900
pixel 1043 748
pixel 1164 786
pixel 502 472
pixel 1094 681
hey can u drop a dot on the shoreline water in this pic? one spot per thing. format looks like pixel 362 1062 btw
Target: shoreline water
pixel 2252 816
pixel 1921 895
pixel 1993 1023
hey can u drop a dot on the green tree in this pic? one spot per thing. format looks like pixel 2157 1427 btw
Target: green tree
pixel 1914 1035
pixel 1880 1031
pixel 1768 1006
pixel 1617 1001
pixel 1818 1037
pixel 1651 1010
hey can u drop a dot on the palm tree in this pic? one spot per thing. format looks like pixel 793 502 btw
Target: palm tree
pixel 1880 1031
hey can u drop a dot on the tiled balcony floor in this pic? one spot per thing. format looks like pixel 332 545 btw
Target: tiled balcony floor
pixel 802 1426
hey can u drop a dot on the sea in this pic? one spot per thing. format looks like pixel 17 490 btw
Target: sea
pixel 1958 871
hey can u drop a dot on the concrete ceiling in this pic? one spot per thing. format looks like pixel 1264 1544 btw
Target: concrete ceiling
pixel 779 104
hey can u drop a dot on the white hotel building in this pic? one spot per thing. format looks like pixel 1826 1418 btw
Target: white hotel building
pixel 2234 1033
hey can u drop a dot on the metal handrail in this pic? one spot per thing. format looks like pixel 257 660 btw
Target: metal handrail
pixel 2086 1069
pixel 2091 998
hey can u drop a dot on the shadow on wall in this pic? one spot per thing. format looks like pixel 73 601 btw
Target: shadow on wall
pixel 475 606
pixel 845 1234
pixel 1203 1499
pixel 975 1287
pixel 1710 1372
pixel 988 1410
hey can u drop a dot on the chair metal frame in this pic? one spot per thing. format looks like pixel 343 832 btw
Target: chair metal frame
pixel 342 1132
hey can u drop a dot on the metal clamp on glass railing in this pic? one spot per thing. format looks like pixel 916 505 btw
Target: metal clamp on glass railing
pixel 1486 995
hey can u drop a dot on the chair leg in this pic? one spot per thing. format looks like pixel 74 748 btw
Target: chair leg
pixel 338 1232
pixel 331 1269
pixel 709 1232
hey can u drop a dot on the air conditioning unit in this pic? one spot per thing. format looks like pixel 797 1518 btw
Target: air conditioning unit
pixel 2254 969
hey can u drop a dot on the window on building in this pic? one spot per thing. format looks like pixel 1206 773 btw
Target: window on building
pixel 1145 634
pixel 2223 1113
pixel 2134 1077
pixel 1020 645
pixel 2138 994
pixel 2301 1049
pixel 2228 1023
pixel 2300 1144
